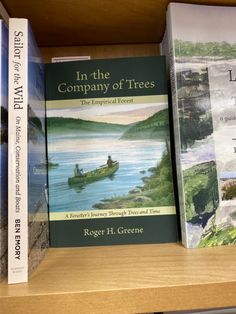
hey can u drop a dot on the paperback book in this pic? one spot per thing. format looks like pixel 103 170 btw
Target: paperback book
pixel 27 183
pixel 109 168
pixel 3 152
pixel 200 47
pixel 210 311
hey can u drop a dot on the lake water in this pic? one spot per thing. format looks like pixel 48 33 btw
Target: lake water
pixel 91 151
pixel 37 180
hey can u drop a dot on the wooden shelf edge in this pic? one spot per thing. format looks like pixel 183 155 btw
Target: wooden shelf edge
pixel 126 279
pixel 126 301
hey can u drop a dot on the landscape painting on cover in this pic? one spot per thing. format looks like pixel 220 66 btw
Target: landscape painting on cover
pixel 38 231
pixel 209 219
pixel 122 154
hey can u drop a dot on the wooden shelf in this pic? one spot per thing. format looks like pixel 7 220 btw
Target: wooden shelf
pixel 101 51
pixel 96 22
pixel 118 279
pixel 126 279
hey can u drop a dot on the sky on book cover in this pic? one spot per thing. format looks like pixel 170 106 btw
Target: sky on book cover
pixel 199 23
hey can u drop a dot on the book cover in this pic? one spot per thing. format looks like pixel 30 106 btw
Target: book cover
pixel 27 178
pixel 197 38
pixel 209 311
pixel 4 141
pixel 109 169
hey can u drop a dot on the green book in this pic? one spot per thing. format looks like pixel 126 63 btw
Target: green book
pixel 109 159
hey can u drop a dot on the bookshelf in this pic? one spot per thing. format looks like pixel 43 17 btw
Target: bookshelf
pixel 118 279
pixel 126 279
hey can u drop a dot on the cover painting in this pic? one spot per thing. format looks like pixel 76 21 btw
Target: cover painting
pixel 38 228
pixel 109 168
pixel 4 147
pixel 202 57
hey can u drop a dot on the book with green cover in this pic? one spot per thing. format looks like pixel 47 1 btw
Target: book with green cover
pixel 109 159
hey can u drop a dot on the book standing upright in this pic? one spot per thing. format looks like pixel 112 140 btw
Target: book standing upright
pixel 27 199
pixel 200 45
pixel 110 172
pixel 3 142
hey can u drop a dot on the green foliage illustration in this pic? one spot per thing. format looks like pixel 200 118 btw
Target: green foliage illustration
pixel 156 191
pixel 188 48
pixel 201 190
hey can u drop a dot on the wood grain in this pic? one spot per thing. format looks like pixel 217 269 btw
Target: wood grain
pixel 96 22
pixel 126 279
pixel 101 51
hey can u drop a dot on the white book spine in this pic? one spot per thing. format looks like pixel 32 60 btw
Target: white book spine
pixel 18 152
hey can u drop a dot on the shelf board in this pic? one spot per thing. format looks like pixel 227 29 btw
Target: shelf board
pixel 77 22
pixel 95 22
pixel 126 279
pixel 101 51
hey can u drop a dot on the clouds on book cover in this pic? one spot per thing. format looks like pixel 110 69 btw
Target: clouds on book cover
pixel 36 75
pixel 120 114
pixel 205 21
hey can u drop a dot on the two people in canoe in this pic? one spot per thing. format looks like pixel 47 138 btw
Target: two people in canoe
pixel 79 172
pixel 91 176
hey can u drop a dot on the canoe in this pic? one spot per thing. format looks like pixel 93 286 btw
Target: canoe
pixel 41 167
pixel 95 175
pixel 52 165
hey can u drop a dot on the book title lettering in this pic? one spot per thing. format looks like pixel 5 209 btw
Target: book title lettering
pixel 103 85
pixel 17 66
pixel 18 90
pixel 232 78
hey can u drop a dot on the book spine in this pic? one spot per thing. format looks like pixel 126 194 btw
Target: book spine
pixel 4 148
pixel 18 152
pixel 2 233
pixel 169 49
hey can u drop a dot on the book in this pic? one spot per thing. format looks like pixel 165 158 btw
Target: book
pixel 210 311
pixel 27 176
pixel 4 141
pixel 109 168
pixel 4 14
pixel 199 42
pixel 70 58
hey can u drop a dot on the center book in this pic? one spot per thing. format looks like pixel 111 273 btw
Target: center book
pixel 109 153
